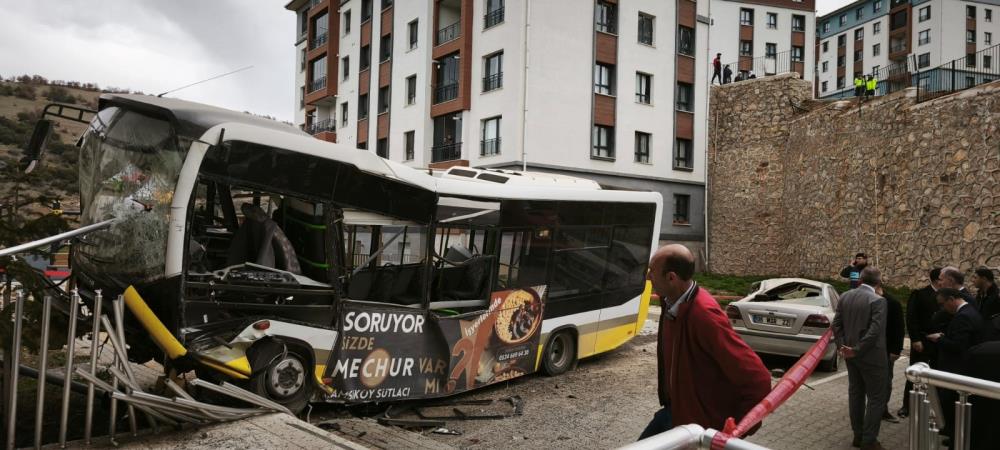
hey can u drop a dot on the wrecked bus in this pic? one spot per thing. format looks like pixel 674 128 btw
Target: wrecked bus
pixel 312 271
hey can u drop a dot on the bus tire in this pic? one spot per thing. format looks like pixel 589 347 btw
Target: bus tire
pixel 283 375
pixel 559 353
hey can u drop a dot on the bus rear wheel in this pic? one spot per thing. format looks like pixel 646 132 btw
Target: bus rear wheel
pixel 559 353
pixel 283 377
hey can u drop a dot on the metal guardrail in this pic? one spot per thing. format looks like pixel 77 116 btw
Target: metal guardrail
pixel 959 74
pixel 323 125
pixel 449 33
pixel 766 65
pixel 688 437
pixel 492 18
pixel 924 430
pixel 447 152
pixel 318 41
pixel 445 92
pixel 317 84
pixel 56 238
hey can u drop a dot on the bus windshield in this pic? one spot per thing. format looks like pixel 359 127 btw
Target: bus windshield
pixel 129 165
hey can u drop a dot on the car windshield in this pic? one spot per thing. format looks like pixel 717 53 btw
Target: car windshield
pixel 129 164
pixel 795 293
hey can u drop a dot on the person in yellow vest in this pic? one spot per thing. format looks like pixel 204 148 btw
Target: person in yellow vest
pixel 871 84
pixel 859 85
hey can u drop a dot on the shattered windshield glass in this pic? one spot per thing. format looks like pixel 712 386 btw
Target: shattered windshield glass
pixel 129 164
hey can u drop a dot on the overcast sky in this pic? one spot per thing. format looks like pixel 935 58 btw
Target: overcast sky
pixel 154 46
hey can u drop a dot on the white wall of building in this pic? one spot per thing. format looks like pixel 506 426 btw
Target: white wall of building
pixel 347 91
pixel 725 32
pixel 407 62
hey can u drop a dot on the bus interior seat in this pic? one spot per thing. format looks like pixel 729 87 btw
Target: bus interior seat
pixel 307 233
pixel 260 240
pixel 467 281
pixel 402 285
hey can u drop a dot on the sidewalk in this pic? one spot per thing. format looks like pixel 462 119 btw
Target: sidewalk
pixel 818 419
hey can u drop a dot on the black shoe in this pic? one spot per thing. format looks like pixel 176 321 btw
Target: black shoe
pixel 888 417
pixel 903 413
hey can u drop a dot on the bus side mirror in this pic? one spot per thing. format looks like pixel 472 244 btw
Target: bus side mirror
pixel 36 146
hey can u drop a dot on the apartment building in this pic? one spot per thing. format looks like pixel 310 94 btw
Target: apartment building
pixel 605 90
pixel 914 35
pixel 764 36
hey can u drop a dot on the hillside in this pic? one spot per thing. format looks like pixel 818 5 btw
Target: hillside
pixel 20 106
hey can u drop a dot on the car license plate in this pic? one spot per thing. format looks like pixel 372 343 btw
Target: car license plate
pixel 771 320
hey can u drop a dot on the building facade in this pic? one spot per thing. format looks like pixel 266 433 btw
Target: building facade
pixel 914 35
pixel 606 90
pixel 764 36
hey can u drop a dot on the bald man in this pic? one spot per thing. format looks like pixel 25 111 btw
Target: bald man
pixel 706 373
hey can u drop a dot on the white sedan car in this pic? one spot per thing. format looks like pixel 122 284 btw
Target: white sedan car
pixel 786 316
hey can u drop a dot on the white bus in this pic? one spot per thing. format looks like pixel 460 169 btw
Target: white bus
pixel 313 271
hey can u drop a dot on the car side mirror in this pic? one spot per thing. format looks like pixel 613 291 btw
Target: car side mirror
pixel 36 145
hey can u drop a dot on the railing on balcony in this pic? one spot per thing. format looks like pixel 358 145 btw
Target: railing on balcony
pixel 327 125
pixel 317 84
pixel 489 147
pixel 317 41
pixel 897 47
pixel 959 74
pixel 445 92
pixel 446 152
pixel 449 33
pixel 492 82
pixel 764 65
pixel 493 17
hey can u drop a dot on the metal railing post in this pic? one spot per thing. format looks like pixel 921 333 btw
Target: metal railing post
pixel 917 396
pixel 118 305
pixel 963 422
pixel 43 366
pixel 95 314
pixel 15 361
pixel 74 306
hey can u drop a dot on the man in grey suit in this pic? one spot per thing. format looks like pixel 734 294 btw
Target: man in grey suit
pixel 859 327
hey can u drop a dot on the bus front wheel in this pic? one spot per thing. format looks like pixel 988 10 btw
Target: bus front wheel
pixel 559 353
pixel 283 377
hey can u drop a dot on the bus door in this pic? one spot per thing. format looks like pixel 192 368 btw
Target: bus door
pixel 576 282
pixel 624 283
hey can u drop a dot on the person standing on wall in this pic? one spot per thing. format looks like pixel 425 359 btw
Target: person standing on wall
pixel 894 333
pixel 853 271
pixel 920 311
pixel 706 373
pixel 717 68
pixel 859 86
pixel 859 329
pixel 870 86
pixel 727 75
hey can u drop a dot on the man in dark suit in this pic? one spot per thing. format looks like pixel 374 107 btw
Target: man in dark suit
pixel 859 327
pixel 920 310
pixel 953 278
pixel 894 333
pixel 988 300
pixel 964 331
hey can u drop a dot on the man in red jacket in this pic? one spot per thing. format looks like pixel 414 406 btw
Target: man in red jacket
pixel 706 372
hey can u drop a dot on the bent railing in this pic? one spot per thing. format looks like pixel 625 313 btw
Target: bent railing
pixel 689 437
pixel 924 429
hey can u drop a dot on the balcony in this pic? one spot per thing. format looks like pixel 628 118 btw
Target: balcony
pixel 489 147
pixel 493 18
pixel 317 41
pixel 317 84
pixel 445 93
pixel 328 125
pixel 492 82
pixel 449 33
pixel 446 152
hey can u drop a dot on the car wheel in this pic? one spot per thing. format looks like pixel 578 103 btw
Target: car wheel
pixel 830 365
pixel 559 354
pixel 283 377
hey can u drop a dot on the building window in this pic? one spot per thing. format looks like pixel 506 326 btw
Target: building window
pixel 302 97
pixel 875 68
pixel 386 3
pixel 494 13
pixel 987 61
pixel 924 60
pixel 642 147
pixel 347 22
pixel 382 147
pixel 345 64
pixel 607 17
pixel 303 23
pixel 408 143
pixel 826 46
pixel 604 79
pixel 366 58
pixel 383 99
pixel 770 50
pixel 682 206
pixel 876 27
pixel 841 61
pixel 685 97
pixel 859 13
pixel 412 29
pixel 924 14
pixel 746 48
pixel 826 27
pixel 685 40
pixel 970 36
pixel 772 21
pixel 603 142
pixel 876 49
pixel 876 6
pixel 366 10
pixel 746 17
pixel 363 145
pixel 826 66
pixel 490 143
pixel 343 114
pixel 646 29
pixel 321 26
pixel 859 55
pixel 840 82
pixel 493 71
pixel 843 20
pixel 924 37
pixel 970 12
pixel 988 15
pixel 859 34
pixel 362 106
pixel 970 60
pixel 797 54
pixel 987 38
pixel 447 76
pixel 385 48
pixel 825 86
pixel 683 155
pixel 318 74
pixel 643 88
pixel 842 40
pixel 411 89
pixel 798 23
